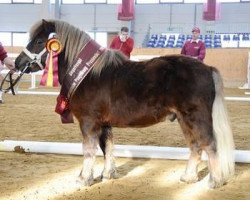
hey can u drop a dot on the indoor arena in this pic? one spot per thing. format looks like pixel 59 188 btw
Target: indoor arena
pixel 124 99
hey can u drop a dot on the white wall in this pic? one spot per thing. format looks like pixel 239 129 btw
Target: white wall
pixel 101 17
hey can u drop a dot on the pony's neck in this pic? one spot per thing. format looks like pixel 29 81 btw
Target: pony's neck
pixel 72 39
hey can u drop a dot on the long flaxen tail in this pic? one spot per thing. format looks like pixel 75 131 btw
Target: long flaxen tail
pixel 222 131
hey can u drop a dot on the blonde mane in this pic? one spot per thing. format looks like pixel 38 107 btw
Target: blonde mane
pixel 74 39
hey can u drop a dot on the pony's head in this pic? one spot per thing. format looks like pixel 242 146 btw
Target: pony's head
pixel 35 53
pixel 72 39
pixel 33 57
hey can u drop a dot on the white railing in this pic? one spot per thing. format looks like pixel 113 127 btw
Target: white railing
pixel 247 84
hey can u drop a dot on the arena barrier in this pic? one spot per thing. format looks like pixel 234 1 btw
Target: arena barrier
pixel 247 84
pixel 129 151
pixel 247 99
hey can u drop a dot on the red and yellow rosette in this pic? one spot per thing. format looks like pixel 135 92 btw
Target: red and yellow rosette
pixel 50 75
pixel 54 45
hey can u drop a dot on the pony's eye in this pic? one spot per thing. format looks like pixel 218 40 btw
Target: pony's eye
pixel 39 42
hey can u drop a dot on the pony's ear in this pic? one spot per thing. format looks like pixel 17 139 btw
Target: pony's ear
pixel 48 26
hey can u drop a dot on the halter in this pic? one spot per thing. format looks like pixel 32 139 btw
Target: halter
pixel 9 81
pixel 36 58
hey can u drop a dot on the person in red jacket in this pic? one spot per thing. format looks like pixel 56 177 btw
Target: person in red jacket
pixel 194 47
pixel 4 59
pixel 123 42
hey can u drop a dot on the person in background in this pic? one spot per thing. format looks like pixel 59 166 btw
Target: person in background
pixel 8 62
pixel 123 42
pixel 194 47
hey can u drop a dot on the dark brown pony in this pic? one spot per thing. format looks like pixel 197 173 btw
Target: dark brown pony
pixel 122 93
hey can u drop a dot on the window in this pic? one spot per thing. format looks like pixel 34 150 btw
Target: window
pixel 5 38
pixel 20 39
pixel 146 1
pixel 5 1
pixel 228 1
pixel 99 37
pixel 95 1
pixel 195 1
pixel 171 1
pixel 22 1
pixel 91 34
pixel 72 1
pixel 114 1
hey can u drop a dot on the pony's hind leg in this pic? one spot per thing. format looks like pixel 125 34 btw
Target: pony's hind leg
pixel 90 143
pixel 197 129
pixel 215 176
pixel 191 172
pixel 106 144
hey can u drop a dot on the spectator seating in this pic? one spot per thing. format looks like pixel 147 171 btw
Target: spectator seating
pixel 245 37
pixel 236 37
pixel 244 40
pixel 154 36
pixel 216 36
pixel 217 42
pixel 226 37
pixel 211 41
pixel 151 44
pixel 208 43
pixel 180 42
pixel 229 41
pixel 189 37
pixel 208 37
pixel 181 37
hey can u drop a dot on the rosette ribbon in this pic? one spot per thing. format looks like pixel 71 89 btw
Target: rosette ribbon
pixel 50 74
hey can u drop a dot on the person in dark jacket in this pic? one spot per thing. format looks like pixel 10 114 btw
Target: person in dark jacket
pixel 8 62
pixel 123 42
pixel 195 47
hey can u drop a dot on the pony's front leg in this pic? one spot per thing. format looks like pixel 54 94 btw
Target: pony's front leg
pixel 191 173
pixel 90 142
pixel 106 144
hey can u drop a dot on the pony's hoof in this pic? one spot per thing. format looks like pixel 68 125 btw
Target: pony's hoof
pixel 212 184
pixel 84 182
pixel 189 178
pixel 215 182
pixel 107 176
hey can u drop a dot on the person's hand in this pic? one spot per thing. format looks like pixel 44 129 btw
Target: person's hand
pixel 10 64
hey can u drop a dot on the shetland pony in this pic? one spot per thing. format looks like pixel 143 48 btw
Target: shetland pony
pixel 122 93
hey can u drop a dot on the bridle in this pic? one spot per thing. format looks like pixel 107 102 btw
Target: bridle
pixel 35 59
